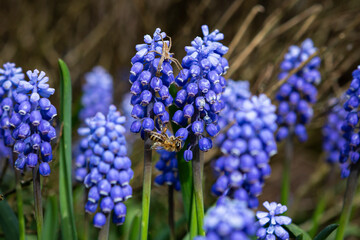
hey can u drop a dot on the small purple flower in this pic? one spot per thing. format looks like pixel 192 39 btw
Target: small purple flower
pixel 147 85
pixel 10 76
pixel 350 126
pixel 229 219
pixel 109 171
pixel 333 140
pixel 271 223
pixel 202 84
pixel 167 165
pixel 97 93
pixel 247 145
pixel 30 125
pixel 297 95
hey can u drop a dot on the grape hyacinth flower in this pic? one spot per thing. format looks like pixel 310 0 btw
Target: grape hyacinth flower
pixel 333 140
pixel 97 93
pixel 109 167
pixel 31 123
pixel 10 76
pixel 247 147
pixel 271 224
pixel 350 126
pixel 299 92
pixel 202 84
pixel 167 165
pixel 229 219
pixel 150 92
pixel 126 109
pixel 97 97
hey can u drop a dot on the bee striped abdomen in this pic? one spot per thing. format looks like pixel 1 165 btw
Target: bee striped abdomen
pixel 156 137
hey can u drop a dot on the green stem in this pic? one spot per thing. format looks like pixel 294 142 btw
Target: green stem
pixel 289 154
pixel 171 212
pixel 38 201
pixel 146 189
pixel 348 200
pixel 86 218
pixel 193 219
pixel 320 208
pixel 104 231
pixel 199 200
pixel 325 195
pixel 19 201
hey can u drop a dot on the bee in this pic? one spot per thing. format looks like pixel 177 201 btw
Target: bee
pixel 164 141
pixel 1 197
pixel 166 55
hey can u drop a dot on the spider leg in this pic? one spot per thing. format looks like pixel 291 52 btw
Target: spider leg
pixel 154 52
pixel 177 63
pixel 160 64
pixel 170 43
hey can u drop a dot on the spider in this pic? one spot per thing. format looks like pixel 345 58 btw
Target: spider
pixel 166 55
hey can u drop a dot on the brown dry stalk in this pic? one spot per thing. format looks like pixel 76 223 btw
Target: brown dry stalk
pixel 228 14
pixel 292 72
pixel 271 21
pixel 240 33
pixel 312 11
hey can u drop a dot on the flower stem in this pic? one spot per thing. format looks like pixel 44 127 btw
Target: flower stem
pixel 193 218
pixel 348 200
pixel 104 231
pixel 171 212
pixel 20 209
pixel 86 217
pixel 38 201
pixel 289 154
pixel 199 200
pixel 146 189
pixel 325 195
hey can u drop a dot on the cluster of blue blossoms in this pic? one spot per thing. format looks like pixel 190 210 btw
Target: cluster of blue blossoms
pixel 110 170
pixel 168 167
pixel 97 97
pixel 333 140
pixel 299 92
pixel 98 93
pixel 229 219
pixel 271 224
pixel 351 125
pixel 150 92
pixel 247 145
pixel 10 76
pixel 27 114
pixel 202 85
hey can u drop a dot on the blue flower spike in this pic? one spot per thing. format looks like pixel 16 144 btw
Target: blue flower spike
pixel 97 93
pixel 229 219
pixel 349 155
pixel 109 169
pixel 247 145
pixel 167 166
pixel 150 84
pixel 299 93
pixel 31 130
pixel 202 84
pixel 271 222
pixel 10 76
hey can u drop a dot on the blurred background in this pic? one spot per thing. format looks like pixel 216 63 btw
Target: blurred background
pixel 34 34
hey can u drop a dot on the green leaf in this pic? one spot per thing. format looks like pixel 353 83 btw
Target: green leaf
pixel 186 178
pixel 326 232
pixel 51 221
pixel 296 232
pixel 68 228
pixel 8 221
pixel 135 226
